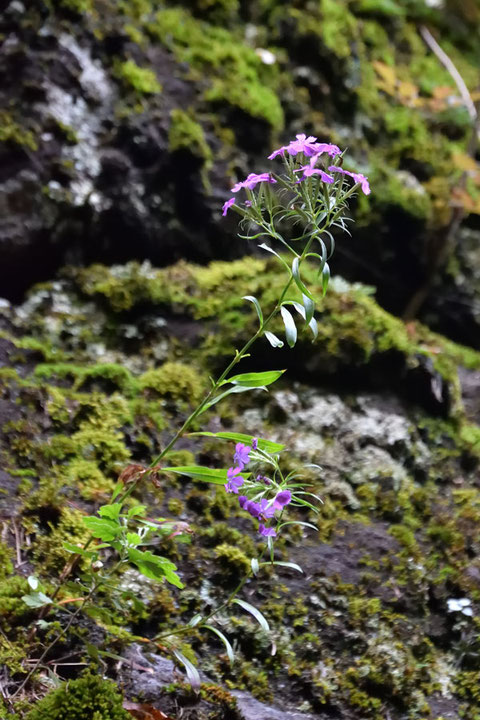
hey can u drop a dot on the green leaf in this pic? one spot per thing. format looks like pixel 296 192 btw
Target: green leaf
pixel 79 550
pixel 111 511
pixel 253 611
pixel 215 400
pixel 228 647
pixel 298 281
pixel 313 327
pixel 325 278
pixel 133 538
pixel 267 445
pixel 215 476
pixel 270 250
pixel 255 565
pixel 255 379
pixel 273 339
pixel 290 328
pixel 193 622
pixel 117 490
pixel 102 528
pixel 154 566
pixel 297 522
pixel 254 300
pixel 136 510
pixel 37 600
pixel 309 306
pixel 192 672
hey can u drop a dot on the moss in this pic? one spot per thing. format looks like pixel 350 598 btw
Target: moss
pixel 142 80
pixel 6 557
pixel 87 697
pixel 187 134
pixel 11 132
pixel 13 610
pixel 237 76
pixel 232 560
pixel 173 380
pixel 77 6
pixel 48 550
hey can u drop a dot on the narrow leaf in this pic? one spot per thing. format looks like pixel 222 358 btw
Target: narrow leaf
pixel 309 306
pixel 255 612
pixel 325 278
pixel 270 250
pixel 212 475
pixel 195 620
pixel 292 565
pixel 298 281
pixel 228 647
pixel 255 379
pixel 267 445
pixel 78 550
pixel 255 565
pixel 290 327
pixel 298 522
pixel 273 339
pixel 192 672
pixel 255 302
pixel 313 327
pixel 215 400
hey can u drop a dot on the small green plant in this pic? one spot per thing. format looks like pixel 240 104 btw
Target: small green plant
pixel 309 198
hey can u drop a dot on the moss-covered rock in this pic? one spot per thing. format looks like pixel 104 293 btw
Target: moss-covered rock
pixel 87 697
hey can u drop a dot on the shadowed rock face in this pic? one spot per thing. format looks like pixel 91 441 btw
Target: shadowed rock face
pixel 125 125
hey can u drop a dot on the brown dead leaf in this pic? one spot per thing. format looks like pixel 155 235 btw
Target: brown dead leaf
pixel 141 711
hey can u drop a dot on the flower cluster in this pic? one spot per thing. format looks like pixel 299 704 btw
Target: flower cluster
pixel 307 148
pixel 265 508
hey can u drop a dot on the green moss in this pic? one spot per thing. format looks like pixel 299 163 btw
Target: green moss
pixel 13 610
pixel 6 557
pixel 236 73
pixel 142 80
pixel 11 132
pixel 232 559
pixel 77 6
pixel 187 134
pixel 49 550
pixel 87 697
pixel 174 380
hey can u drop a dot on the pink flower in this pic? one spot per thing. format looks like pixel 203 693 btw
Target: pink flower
pixel 308 145
pixel 308 171
pixel 358 177
pixel 227 205
pixel 252 180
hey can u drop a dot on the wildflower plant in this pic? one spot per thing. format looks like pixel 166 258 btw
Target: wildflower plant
pixel 293 213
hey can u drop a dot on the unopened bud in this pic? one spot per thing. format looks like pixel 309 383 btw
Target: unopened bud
pixel 97 565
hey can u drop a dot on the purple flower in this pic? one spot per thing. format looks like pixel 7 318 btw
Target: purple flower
pixel 358 177
pixel 242 455
pixel 234 480
pixel 242 500
pixel 283 498
pixel 262 478
pixel 308 171
pixel 227 205
pixel 266 532
pixel 253 180
pixel 248 203
pixel 267 508
pixel 308 145
pixel 254 443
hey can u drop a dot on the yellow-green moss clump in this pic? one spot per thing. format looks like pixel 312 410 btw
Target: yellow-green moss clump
pixel 237 75
pixel 12 132
pixel 87 698
pixel 142 80
pixel 173 380
pixel 187 134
